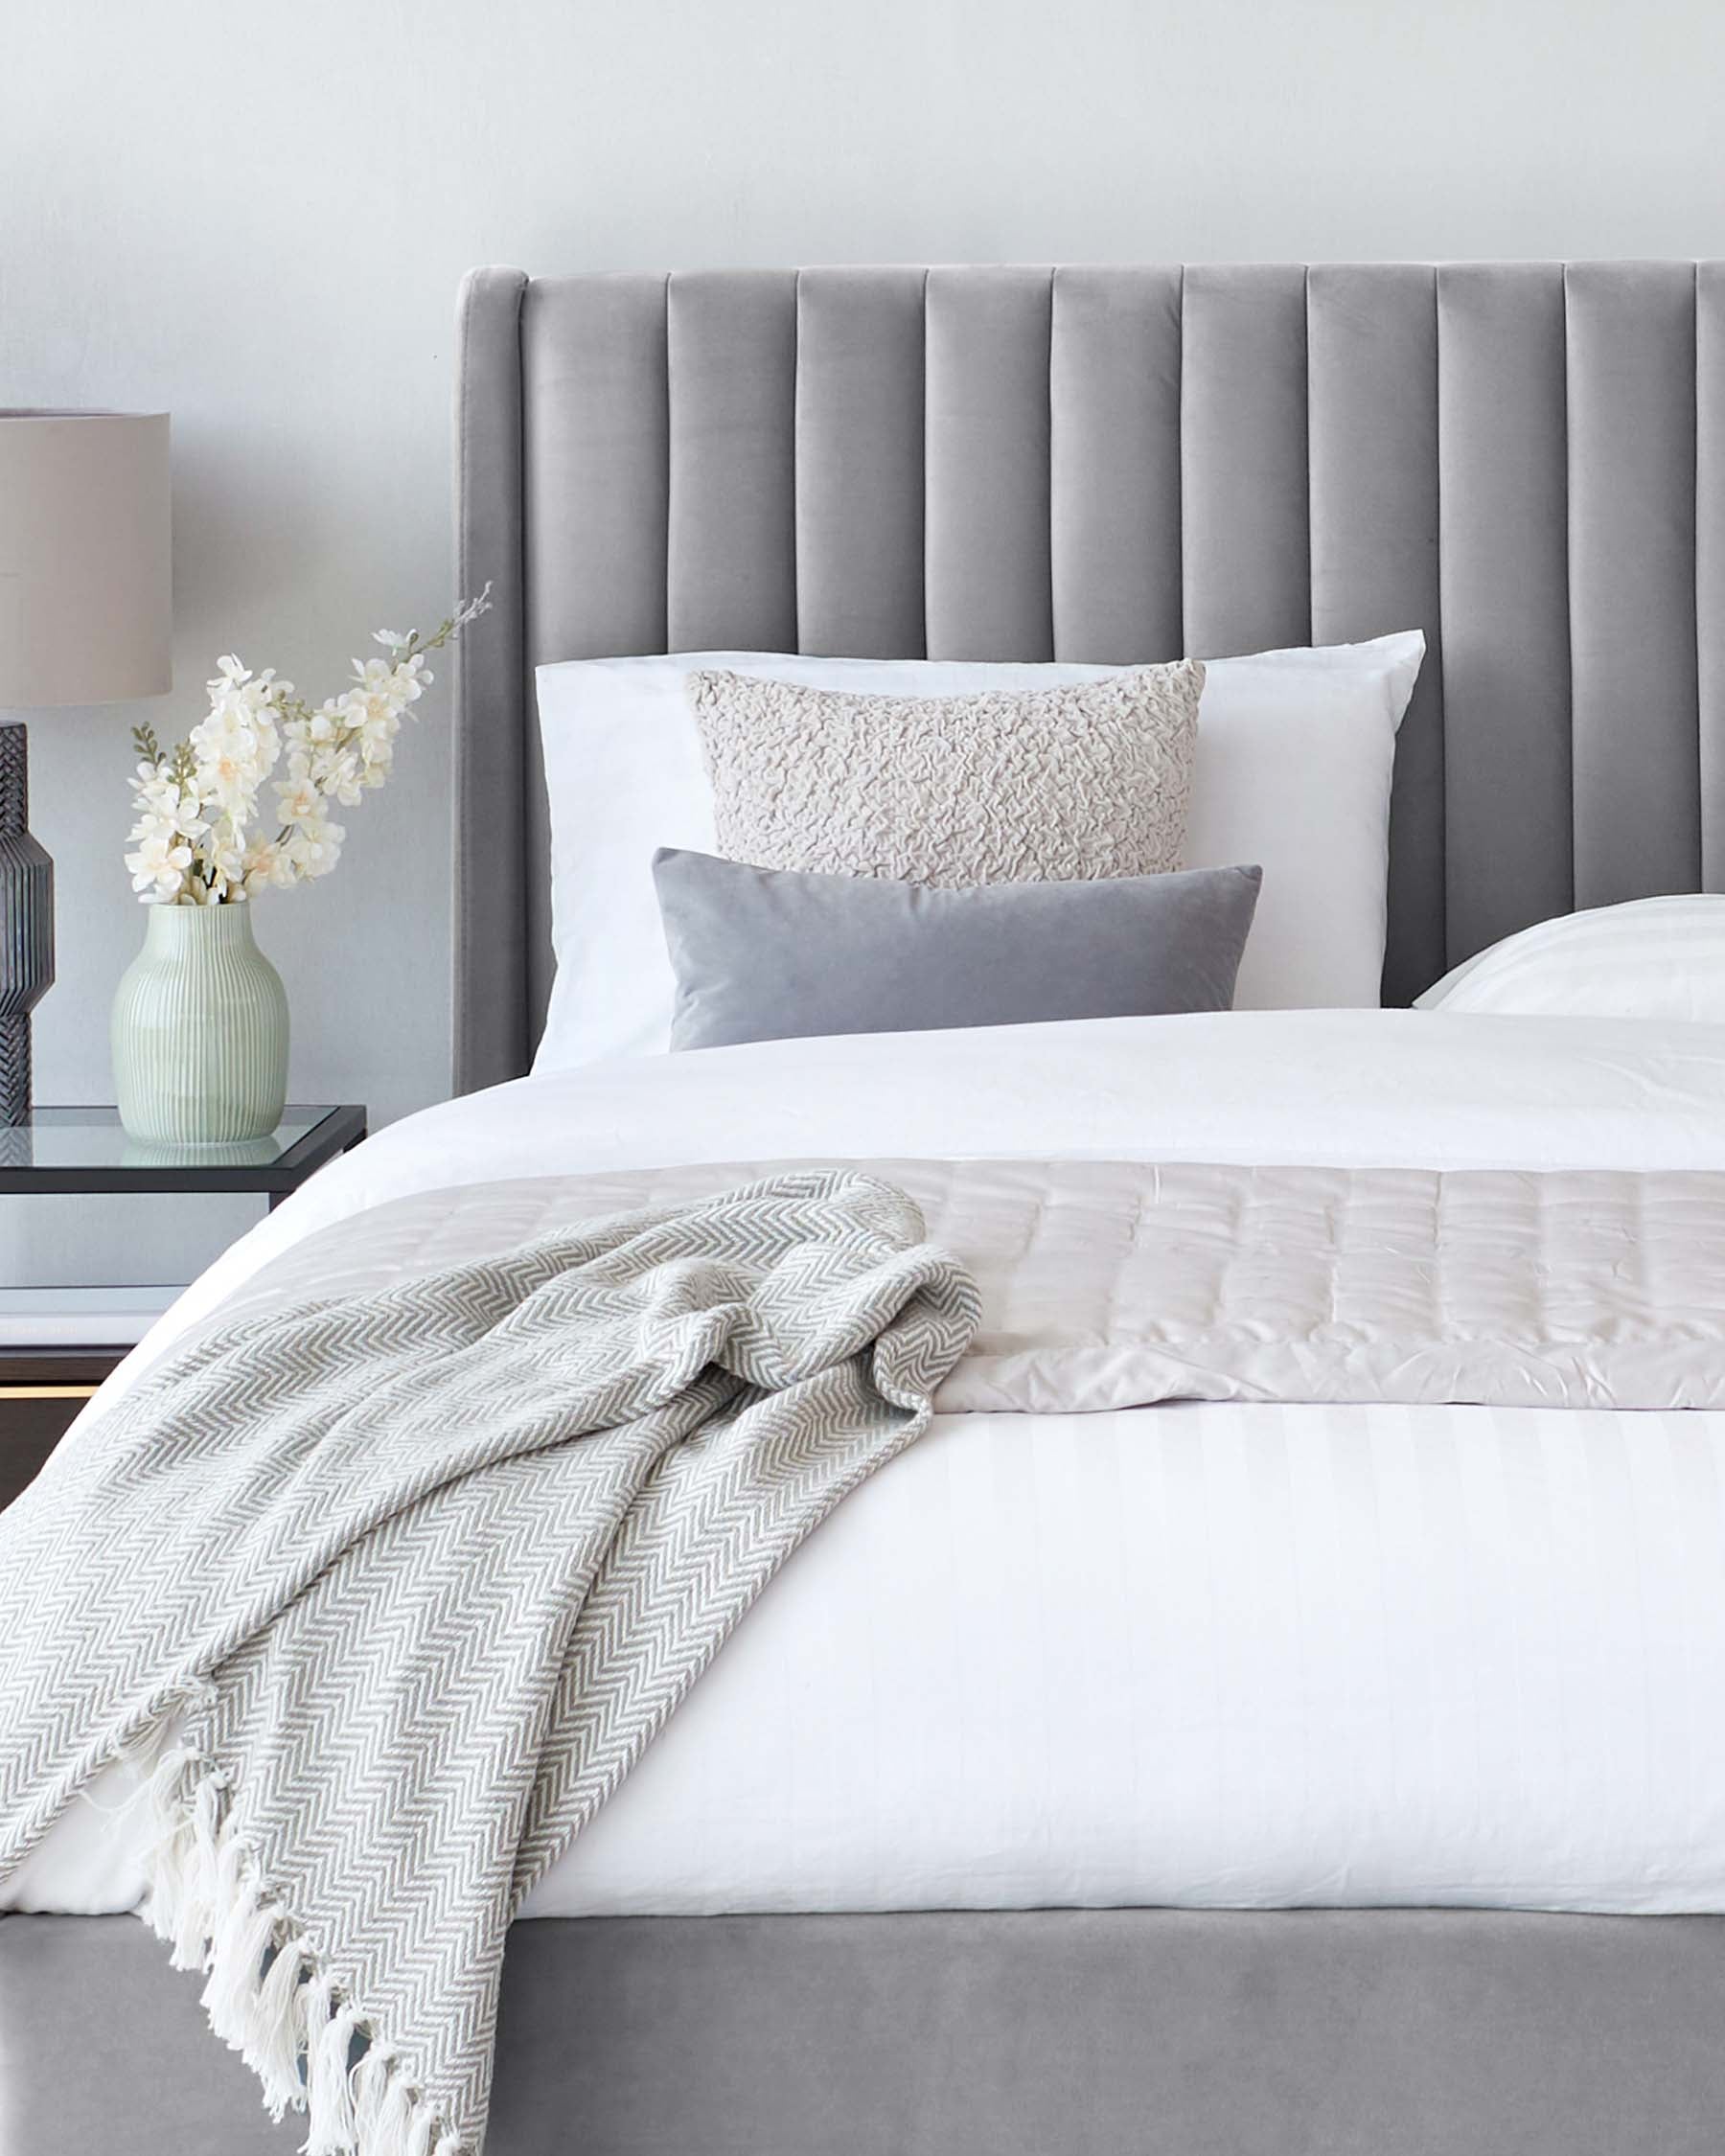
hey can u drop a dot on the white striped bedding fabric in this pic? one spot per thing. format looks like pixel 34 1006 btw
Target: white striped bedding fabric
pixel 1206 1655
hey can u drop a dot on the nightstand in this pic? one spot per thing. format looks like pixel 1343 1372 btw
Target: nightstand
pixel 58 1345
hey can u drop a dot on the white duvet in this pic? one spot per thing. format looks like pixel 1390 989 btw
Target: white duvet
pixel 1331 1654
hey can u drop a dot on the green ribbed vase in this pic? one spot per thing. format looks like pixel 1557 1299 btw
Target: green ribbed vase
pixel 200 1031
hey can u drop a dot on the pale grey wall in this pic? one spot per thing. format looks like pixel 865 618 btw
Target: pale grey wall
pixel 257 217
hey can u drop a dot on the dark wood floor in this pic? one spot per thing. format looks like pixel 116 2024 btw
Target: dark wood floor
pixel 30 1429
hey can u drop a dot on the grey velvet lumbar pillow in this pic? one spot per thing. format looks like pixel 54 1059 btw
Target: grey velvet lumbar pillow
pixel 772 954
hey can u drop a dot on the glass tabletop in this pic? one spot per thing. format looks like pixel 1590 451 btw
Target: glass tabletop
pixel 89 1143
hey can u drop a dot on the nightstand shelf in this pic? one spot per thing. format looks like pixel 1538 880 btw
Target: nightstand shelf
pixel 83 1151
pixel 58 1345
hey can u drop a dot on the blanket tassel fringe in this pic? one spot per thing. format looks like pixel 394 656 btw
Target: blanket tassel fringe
pixel 265 1994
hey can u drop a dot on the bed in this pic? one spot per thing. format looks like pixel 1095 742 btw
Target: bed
pixel 1415 1841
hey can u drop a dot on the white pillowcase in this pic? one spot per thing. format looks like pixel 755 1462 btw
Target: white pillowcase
pixel 1647 958
pixel 1295 754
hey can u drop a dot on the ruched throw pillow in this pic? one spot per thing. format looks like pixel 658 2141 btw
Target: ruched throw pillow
pixel 1067 784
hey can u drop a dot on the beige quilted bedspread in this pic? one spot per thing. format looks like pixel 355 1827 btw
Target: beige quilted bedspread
pixel 1108 1285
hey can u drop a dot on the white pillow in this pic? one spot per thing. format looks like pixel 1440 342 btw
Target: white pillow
pixel 1648 958
pixel 1295 754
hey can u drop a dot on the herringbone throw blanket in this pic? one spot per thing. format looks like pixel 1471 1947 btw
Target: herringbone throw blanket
pixel 422 1571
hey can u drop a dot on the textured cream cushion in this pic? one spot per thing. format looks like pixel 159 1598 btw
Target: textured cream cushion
pixel 1086 780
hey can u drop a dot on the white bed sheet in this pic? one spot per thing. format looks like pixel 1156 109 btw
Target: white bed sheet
pixel 1238 1655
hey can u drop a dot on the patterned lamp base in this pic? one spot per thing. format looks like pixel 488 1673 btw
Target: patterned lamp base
pixel 26 926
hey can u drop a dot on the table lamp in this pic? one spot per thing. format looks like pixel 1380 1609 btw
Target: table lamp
pixel 85 614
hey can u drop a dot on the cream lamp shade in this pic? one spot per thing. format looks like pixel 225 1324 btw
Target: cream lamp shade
pixel 86 576
pixel 86 608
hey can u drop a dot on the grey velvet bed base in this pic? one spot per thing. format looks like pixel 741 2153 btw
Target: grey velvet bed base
pixel 1045 2034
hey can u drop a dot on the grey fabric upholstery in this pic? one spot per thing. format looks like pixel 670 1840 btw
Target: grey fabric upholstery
pixel 1132 2033
pixel 1525 460
pixel 1503 570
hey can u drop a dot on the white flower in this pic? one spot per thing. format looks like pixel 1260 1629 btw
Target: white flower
pixel 373 674
pixel 158 867
pixel 391 639
pixel 229 779
pixel 385 688
pixel 297 799
pixel 339 776
pixel 226 858
pixel 268 866
pixel 160 800
pixel 315 846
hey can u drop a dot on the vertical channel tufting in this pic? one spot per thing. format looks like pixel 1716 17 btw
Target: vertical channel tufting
pixel 860 462
pixel 1114 398
pixel 988 593
pixel 731 550
pixel 595 465
pixel 1710 562
pixel 1245 538
pixel 1371 359
pixel 1632 578
pixel 1503 494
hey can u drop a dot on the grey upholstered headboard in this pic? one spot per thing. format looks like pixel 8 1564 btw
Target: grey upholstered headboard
pixel 1527 461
